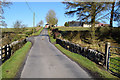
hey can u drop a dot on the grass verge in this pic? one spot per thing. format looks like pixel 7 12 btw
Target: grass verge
pixel 37 33
pixel 52 40
pixel 86 63
pixel 12 65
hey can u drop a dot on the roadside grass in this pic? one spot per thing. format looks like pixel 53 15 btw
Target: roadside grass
pixel 12 65
pixel 102 36
pixel 52 40
pixel 84 62
pixel 87 64
pixel 73 28
pixel 38 32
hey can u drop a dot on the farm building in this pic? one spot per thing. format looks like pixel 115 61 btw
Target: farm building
pixel 85 24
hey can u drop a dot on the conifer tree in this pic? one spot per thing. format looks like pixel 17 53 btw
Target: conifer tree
pixel 86 12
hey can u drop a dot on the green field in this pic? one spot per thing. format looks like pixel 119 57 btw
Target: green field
pixel 13 34
pixel 13 30
pixel 72 28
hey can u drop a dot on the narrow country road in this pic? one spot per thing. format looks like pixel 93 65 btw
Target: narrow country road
pixel 46 61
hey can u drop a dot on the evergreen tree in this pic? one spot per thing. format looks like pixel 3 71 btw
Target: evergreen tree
pixel 66 24
pixel 86 11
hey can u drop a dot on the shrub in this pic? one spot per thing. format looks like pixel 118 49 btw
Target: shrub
pixel 29 33
pixel 66 24
pixel 103 32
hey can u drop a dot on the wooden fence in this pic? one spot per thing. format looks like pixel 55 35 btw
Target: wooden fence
pixel 5 53
pixel 8 50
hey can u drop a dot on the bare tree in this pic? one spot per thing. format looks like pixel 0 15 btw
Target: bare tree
pixel 111 13
pixel 18 26
pixel 41 23
pixel 114 5
pixel 3 4
pixel 116 16
pixel 51 18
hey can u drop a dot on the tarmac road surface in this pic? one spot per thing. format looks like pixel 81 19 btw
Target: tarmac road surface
pixel 46 61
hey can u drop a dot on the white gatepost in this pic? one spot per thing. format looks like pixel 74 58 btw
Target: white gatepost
pixel 0 55
pixel 7 49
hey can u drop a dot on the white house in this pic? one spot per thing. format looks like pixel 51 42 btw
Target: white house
pixel 97 24
pixel 89 25
pixel 85 24
pixel 47 25
pixel 75 24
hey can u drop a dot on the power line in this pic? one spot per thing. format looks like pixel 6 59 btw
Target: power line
pixel 34 14
pixel 29 7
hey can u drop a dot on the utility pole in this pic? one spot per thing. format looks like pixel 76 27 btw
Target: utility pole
pixel 33 20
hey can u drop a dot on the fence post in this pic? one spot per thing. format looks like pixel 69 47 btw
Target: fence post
pixel 6 57
pixel 8 51
pixel 107 46
pixel 0 55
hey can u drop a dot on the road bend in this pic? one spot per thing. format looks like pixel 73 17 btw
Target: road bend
pixel 46 61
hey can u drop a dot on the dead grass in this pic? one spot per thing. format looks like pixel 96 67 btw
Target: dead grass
pixel 9 34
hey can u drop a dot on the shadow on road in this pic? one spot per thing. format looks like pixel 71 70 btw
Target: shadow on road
pixel 44 35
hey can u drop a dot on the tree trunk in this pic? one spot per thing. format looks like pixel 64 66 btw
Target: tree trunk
pixel 112 12
pixel 93 22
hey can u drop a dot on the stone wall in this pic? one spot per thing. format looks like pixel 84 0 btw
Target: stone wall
pixel 93 55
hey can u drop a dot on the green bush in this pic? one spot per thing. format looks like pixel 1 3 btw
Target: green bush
pixel 34 30
pixel 66 24
pixel 103 32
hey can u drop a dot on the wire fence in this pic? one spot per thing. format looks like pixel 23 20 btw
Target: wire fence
pixel 107 60
pixel 114 61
